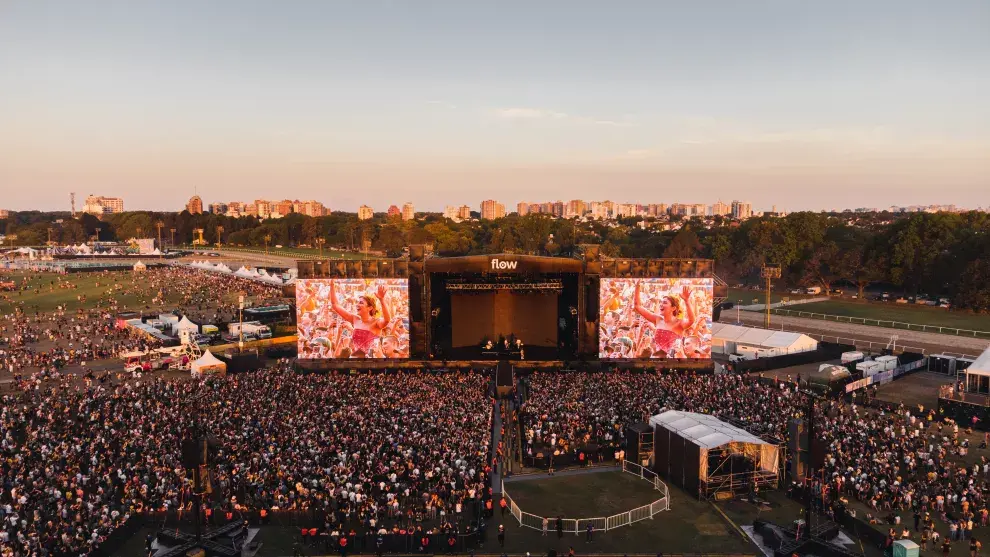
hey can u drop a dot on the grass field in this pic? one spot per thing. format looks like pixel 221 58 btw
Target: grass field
pixel 899 314
pixel 747 296
pixel 46 295
pixel 690 526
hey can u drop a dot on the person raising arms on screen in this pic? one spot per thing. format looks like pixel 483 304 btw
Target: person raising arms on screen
pixel 369 321
pixel 675 317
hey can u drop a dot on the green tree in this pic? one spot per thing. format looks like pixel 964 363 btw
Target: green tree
pixel 685 245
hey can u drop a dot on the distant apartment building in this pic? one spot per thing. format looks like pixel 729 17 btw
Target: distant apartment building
pixel 195 205
pixel 262 208
pixel 4 214
pixel 464 213
pixel 218 208
pixel 365 212
pixel 720 209
pixel 599 210
pixel 742 210
pixel 313 208
pixel 282 208
pixel 558 209
pixel 99 205
pixel 624 210
pixel 491 210
pixel 522 209
pixel 451 212
pixel 575 209
pixel 393 211
pixel 408 211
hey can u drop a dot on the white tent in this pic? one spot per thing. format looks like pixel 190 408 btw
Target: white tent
pixel 978 374
pixel 185 324
pixel 208 364
pixel 733 339
pixel 140 266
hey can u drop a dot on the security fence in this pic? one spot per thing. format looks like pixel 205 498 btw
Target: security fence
pixel 605 523
pixel 886 323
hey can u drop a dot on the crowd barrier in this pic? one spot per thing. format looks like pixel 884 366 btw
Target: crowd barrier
pixel 603 523
pixel 887 376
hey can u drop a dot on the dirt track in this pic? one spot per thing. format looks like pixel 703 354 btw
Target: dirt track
pixel 931 343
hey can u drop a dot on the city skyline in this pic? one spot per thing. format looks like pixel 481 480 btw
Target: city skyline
pixel 803 107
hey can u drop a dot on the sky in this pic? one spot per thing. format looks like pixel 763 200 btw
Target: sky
pixel 802 105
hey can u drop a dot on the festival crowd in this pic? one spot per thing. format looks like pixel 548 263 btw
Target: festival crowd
pixel 78 461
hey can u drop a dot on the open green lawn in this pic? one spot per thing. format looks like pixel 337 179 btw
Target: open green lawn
pixel 747 296
pixel 900 314
pixel 690 526
pixel 46 294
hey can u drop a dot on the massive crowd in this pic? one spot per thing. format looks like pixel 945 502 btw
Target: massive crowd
pixel 76 461
pixel 567 412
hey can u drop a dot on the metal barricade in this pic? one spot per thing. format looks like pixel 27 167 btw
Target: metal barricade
pixel 577 526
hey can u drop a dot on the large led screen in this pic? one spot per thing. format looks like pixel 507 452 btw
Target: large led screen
pixel 655 318
pixel 353 318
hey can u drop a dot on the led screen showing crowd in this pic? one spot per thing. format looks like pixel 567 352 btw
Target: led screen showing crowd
pixel 655 318
pixel 353 318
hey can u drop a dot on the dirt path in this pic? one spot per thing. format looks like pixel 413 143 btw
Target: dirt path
pixel 864 334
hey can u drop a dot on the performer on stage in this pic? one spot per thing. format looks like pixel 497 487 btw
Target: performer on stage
pixel 368 322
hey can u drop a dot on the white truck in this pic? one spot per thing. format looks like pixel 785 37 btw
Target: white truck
pixel 253 328
pixel 813 290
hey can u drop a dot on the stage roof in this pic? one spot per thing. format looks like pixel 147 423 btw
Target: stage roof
pixel 523 264
pixel 704 430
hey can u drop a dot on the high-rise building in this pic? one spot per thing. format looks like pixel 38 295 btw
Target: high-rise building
pixel 625 210
pixel 4 214
pixel 741 210
pixel 408 212
pixel 282 208
pixel 451 212
pixel 575 209
pixel 365 212
pixel 721 209
pixel 464 213
pixel 522 208
pixel 313 209
pixel 218 208
pixel 393 211
pixel 99 205
pixel 263 209
pixel 491 210
pixel 195 205
pixel 558 209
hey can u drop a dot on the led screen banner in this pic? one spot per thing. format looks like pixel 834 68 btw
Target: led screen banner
pixel 654 318
pixel 353 318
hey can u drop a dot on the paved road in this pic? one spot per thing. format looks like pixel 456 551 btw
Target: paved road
pixel 865 336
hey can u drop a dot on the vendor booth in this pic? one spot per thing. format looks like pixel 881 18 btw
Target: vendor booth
pixel 208 364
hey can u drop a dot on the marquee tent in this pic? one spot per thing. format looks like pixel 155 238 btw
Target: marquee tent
pixel 978 374
pixel 185 324
pixel 736 339
pixel 703 454
pixel 208 364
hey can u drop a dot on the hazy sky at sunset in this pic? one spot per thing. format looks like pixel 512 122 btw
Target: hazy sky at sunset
pixel 805 105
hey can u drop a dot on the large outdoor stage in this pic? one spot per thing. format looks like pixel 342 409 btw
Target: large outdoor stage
pixel 456 312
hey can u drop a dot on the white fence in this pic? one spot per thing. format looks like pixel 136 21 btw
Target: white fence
pixel 886 323
pixel 606 523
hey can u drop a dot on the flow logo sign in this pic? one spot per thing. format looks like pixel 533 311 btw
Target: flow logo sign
pixel 504 265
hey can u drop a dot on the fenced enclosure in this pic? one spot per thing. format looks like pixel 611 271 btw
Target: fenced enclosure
pixel 602 523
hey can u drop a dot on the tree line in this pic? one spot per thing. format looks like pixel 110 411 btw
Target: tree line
pixel 939 254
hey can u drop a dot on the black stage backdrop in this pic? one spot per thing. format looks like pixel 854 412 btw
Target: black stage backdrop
pixel 532 317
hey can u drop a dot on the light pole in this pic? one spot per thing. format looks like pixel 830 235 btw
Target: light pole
pixel 320 242
pixel 769 272
pixel 240 319
pixel 172 243
pixel 268 238
pixel 50 230
pixel 159 226
pixel 219 235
